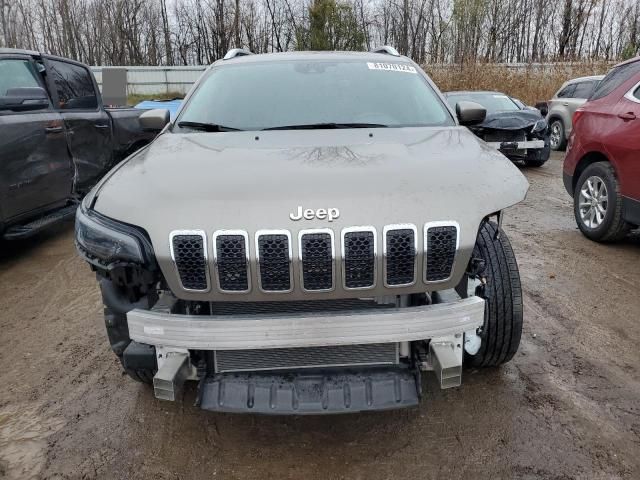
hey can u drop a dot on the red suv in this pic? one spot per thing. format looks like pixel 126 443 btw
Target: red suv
pixel 602 166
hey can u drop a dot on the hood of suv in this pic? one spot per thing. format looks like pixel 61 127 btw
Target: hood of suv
pixel 254 181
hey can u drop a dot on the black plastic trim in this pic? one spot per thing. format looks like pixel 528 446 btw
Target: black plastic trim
pixel 310 393
pixel 568 183
pixel 631 210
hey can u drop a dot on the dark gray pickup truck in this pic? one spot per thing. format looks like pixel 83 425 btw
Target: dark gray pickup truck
pixel 56 139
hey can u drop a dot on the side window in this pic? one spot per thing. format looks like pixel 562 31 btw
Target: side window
pixel 616 77
pixel 567 92
pixel 583 90
pixel 74 86
pixel 16 73
pixel 637 93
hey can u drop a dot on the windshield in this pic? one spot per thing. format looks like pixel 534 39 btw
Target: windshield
pixel 257 96
pixel 493 102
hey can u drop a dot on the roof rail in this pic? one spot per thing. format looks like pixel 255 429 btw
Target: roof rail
pixel 387 50
pixel 236 52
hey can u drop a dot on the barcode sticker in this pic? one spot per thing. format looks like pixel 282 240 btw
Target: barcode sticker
pixel 392 67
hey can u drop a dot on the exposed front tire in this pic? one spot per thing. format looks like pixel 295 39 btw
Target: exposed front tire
pixel 597 204
pixel 502 327
pixel 557 138
pixel 139 375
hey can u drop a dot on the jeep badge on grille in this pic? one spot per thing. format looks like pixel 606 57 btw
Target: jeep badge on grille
pixel 309 214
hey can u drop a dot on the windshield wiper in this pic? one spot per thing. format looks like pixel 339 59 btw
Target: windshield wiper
pixel 207 127
pixel 328 126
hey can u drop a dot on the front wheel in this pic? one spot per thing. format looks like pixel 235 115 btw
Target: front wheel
pixel 557 138
pixel 500 334
pixel 597 204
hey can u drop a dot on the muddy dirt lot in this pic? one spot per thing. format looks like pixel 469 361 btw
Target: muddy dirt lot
pixel 567 406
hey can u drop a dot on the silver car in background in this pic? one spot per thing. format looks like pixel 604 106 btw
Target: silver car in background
pixel 563 105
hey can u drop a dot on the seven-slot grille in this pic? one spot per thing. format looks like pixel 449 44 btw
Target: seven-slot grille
pixel 400 255
pixel 231 261
pixel 189 255
pixel 359 252
pixel 274 261
pixel 316 255
pixel 442 242
pixel 316 248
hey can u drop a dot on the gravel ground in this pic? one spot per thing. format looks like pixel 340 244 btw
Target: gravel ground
pixel 566 407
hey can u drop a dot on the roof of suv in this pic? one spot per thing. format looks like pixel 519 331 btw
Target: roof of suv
pixel 583 79
pixel 631 60
pixel 265 57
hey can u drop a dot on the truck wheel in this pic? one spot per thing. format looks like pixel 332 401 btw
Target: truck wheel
pixel 597 204
pixel 502 327
pixel 557 139
pixel 140 375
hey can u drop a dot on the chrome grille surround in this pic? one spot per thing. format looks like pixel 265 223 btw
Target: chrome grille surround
pixel 216 258
pixel 385 233
pixel 301 251
pixel 427 226
pixel 346 231
pixel 259 260
pixel 190 233
pixel 359 259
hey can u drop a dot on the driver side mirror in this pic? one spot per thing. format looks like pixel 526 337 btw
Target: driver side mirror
pixel 470 113
pixel 23 99
pixel 154 120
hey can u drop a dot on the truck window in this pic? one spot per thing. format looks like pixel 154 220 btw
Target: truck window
pixel 74 86
pixel 16 73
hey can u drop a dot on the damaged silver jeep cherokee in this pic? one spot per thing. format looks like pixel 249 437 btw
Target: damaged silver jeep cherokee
pixel 310 233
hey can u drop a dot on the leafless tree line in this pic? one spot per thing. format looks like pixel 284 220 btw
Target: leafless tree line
pixel 184 32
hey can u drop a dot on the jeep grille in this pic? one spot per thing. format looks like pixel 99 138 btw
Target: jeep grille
pixel 316 254
pixel 190 259
pixel 231 262
pixel 441 251
pixel 315 249
pixel 400 256
pixel 274 264
pixel 359 259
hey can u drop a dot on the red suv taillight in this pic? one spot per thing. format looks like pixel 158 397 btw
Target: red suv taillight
pixel 576 116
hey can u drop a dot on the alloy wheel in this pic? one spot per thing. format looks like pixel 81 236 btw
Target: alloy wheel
pixel 554 136
pixel 593 202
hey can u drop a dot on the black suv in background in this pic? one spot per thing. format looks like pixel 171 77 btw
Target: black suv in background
pixel 56 139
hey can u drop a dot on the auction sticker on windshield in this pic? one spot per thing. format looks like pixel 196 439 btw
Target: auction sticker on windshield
pixel 391 67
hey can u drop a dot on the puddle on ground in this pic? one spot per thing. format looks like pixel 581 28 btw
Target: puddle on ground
pixel 23 442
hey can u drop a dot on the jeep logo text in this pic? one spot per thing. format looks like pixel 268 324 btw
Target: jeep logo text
pixel 309 214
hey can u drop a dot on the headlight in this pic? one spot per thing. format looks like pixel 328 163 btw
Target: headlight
pixel 539 126
pixel 109 242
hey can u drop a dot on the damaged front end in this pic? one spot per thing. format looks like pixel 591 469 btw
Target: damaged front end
pixel 520 136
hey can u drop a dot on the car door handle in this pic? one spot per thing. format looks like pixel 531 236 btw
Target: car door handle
pixel 565 104
pixel 100 125
pixel 627 116
pixel 53 129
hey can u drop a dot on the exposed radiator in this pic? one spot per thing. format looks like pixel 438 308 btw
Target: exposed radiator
pixel 313 357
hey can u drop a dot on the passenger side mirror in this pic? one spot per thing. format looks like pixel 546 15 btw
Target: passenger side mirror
pixel 24 99
pixel 543 107
pixel 154 120
pixel 470 113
